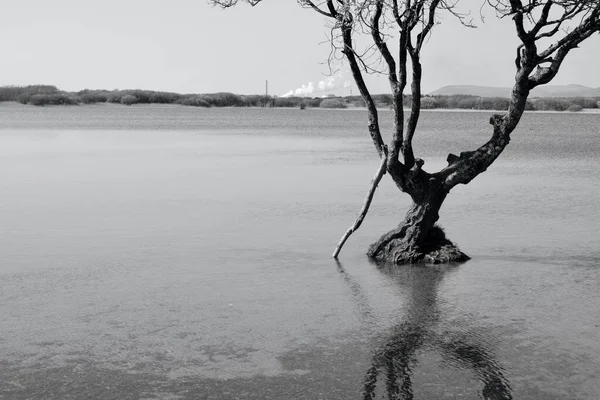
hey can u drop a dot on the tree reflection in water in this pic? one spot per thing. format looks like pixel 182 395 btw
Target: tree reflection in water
pixel 396 358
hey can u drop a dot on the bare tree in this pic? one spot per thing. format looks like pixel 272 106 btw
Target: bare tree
pixel 547 29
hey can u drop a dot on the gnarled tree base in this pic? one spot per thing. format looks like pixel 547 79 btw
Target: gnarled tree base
pixel 395 247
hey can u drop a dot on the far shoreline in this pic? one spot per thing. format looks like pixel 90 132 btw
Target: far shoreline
pixel 49 95
pixel 17 105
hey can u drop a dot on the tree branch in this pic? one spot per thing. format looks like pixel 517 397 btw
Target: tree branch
pixel 414 51
pixel 517 11
pixel 348 51
pixel 396 87
pixel 382 46
pixel 589 26
pixel 398 134
pixel 556 53
pixel 543 18
pixel 415 112
pixel 332 9
pixel 231 3
pixel 462 169
pixel 430 22
pixel 367 203
pixel 316 8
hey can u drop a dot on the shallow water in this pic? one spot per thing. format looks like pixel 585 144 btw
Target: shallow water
pixel 172 252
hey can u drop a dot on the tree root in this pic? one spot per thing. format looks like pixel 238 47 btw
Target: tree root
pixel 435 249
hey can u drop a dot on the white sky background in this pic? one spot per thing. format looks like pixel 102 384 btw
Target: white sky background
pixel 189 47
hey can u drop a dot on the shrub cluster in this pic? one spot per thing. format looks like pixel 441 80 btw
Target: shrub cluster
pixel 54 99
pixel 574 108
pixel 335 102
pixel 468 102
pixel 129 99
pixel 565 103
pixel 23 94
pixel 195 101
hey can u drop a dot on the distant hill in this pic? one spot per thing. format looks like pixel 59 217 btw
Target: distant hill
pixel 540 91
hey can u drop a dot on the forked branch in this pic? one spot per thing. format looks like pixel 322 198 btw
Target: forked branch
pixel 530 73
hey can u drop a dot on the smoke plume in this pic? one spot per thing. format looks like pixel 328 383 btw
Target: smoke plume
pixel 322 88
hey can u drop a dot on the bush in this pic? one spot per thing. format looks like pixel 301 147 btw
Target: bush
pixel 589 102
pixel 23 98
pixel 500 104
pixel 57 99
pixel 585 102
pixel 91 97
pixel 551 104
pixel 360 102
pixel 428 103
pixel 9 93
pixel 115 96
pixel 333 103
pixel 142 96
pixel 575 108
pixel 314 102
pixel 529 106
pixel 42 89
pixel 129 99
pixel 255 100
pixel 384 100
pixel 23 94
pixel 195 101
pixel 289 101
pixel 223 100
pixel 467 103
pixel 441 101
pixel 164 97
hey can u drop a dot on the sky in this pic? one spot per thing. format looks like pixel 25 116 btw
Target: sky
pixel 188 46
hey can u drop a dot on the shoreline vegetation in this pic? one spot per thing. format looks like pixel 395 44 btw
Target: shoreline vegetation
pixel 42 95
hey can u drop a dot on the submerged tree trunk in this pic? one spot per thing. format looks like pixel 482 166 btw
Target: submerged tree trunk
pixel 417 239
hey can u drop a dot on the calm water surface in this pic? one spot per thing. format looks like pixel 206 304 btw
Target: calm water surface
pixel 181 253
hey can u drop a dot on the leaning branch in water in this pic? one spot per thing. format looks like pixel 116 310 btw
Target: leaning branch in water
pixel 365 208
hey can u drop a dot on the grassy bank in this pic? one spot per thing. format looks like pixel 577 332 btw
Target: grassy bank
pixel 42 95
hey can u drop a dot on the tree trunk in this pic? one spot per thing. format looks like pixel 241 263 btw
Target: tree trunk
pixel 417 239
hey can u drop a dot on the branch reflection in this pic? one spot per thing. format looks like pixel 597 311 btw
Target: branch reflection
pixel 392 364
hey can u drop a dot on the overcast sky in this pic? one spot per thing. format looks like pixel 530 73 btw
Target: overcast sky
pixel 188 46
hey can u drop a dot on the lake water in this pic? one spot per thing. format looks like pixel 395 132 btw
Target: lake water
pixel 183 253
